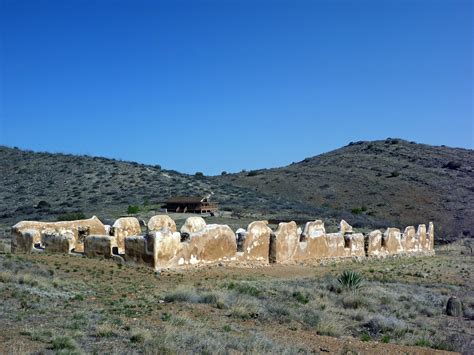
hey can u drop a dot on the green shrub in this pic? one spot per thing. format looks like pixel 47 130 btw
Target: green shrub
pixel 301 298
pixel 133 209
pixel 350 280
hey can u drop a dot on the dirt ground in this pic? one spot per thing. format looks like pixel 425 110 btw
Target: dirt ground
pixel 69 304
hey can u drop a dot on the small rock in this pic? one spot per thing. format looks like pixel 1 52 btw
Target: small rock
pixel 454 307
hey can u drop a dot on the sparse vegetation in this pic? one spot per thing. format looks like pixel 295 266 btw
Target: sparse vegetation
pixel 219 309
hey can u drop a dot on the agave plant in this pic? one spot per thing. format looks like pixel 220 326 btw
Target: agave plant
pixel 350 280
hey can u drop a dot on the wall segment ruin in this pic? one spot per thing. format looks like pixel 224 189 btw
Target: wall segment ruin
pixel 197 243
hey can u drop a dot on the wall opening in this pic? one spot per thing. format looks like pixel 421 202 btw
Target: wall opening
pixel 347 242
pixel 366 245
pixel 240 242
pixel 82 233
pixel 303 238
pixel 185 237
pixel 115 251
pixel 272 249
pixel 111 231
pixel 384 241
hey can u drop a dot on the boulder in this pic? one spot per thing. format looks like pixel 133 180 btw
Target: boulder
pixel 454 307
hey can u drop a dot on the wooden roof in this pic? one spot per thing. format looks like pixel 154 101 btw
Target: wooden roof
pixel 185 199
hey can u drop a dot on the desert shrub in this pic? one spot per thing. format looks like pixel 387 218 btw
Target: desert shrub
pixel 253 173
pixel 300 297
pixel 199 174
pixel 190 295
pixel 133 209
pixel 140 336
pixel 311 318
pixel 353 301
pixel 71 216
pixel 350 280
pixel 64 342
pixel 394 174
pixel 105 330
pixel 453 165
pixel 244 288
pixel 244 309
pixel 381 324
pixel 224 173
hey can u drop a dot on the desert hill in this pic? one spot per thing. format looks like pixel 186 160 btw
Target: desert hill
pixel 391 180
pixel 371 184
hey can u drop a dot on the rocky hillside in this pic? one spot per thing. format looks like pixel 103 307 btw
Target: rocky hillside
pixel 391 180
pixel 371 184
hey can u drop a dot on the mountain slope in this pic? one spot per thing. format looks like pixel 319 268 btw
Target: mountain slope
pixel 392 180
pixel 370 184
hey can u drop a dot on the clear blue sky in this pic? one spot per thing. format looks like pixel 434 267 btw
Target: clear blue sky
pixel 230 85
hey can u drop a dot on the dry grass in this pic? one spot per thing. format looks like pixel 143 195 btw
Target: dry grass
pixel 77 304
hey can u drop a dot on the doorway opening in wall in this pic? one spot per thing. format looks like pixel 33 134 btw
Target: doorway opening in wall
pixel 240 242
pixel 347 241
pixel 82 233
pixel 384 242
pixel 185 237
pixel 303 238
pixel 115 251
pixel 272 249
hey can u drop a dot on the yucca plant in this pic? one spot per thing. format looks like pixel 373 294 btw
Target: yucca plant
pixel 350 280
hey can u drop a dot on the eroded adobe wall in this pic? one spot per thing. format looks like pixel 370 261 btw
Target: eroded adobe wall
pixel 198 243
pixel 286 239
pixel 256 243
pixel 215 243
pixel 100 246
pixel 22 231
pixel 123 228
pixel 159 222
pixel 58 241
pixel 193 225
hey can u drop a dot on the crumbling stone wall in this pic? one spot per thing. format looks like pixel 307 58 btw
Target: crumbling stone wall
pixel 100 246
pixel 159 222
pixel 198 243
pixel 58 241
pixel 123 228
pixel 256 244
pixel 193 225
pixel 22 231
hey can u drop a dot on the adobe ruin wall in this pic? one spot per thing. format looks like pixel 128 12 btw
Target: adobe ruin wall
pixel 198 243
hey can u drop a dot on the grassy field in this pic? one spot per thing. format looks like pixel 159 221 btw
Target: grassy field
pixel 69 304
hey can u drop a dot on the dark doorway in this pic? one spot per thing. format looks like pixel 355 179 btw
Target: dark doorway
pixel 272 249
